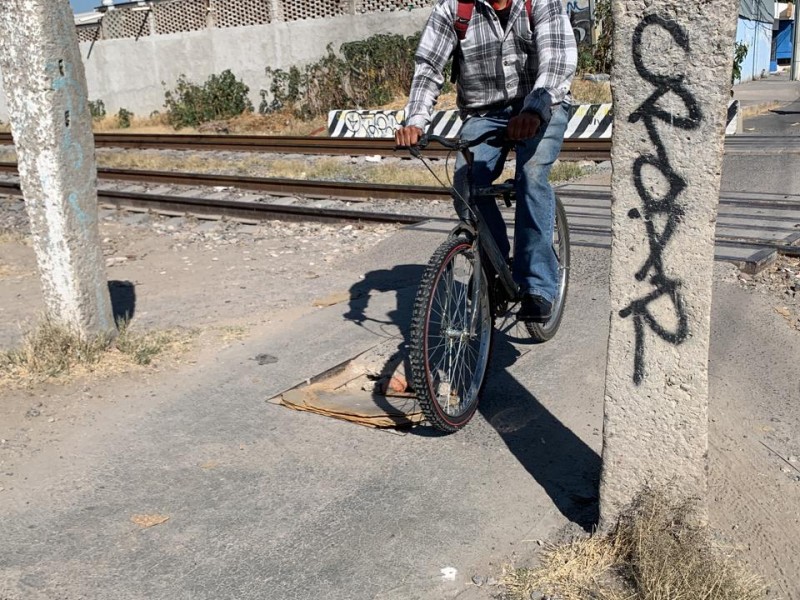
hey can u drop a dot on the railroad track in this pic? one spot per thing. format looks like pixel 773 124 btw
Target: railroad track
pixel 271 185
pixel 746 220
pixel 589 149
pixel 234 209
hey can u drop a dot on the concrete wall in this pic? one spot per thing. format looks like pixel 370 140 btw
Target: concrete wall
pixel 758 37
pixel 134 74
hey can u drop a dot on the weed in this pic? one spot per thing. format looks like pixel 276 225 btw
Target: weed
pixel 51 350
pixel 220 97
pixel 143 347
pixel 564 171
pixel 124 117
pixel 739 54
pixel 656 552
pixel 97 109
pixel 599 58
pixel 368 73
pixel 54 350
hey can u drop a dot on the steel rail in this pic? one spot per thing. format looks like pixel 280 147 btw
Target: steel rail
pixel 280 186
pixel 238 209
pixel 588 149
pixel 256 211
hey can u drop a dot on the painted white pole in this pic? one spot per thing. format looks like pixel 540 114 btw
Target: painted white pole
pixel 45 87
pixel 671 84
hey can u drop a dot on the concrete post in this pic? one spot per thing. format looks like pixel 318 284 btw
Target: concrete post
pixel 46 91
pixel 795 67
pixel 671 83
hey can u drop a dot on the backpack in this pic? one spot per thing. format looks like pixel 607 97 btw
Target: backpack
pixel 463 17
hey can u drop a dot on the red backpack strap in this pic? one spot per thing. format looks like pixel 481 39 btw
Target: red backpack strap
pixel 464 16
pixel 528 8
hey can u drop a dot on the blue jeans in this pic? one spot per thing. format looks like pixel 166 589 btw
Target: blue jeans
pixel 535 267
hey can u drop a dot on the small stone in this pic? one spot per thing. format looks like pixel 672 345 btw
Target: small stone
pixel 51 420
pixel 478 580
pixel 792 458
pixel 33 412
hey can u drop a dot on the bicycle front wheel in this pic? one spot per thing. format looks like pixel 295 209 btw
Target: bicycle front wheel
pixel 451 335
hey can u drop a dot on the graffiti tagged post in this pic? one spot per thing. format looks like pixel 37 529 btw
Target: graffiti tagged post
pixel 671 82
pixel 49 112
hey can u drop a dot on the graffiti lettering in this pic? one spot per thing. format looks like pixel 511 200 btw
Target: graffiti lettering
pixel 581 19
pixel 372 124
pixel 665 206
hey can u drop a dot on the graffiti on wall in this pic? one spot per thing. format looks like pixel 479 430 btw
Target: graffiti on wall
pixel 580 16
pixel 656 208
pixel 364 123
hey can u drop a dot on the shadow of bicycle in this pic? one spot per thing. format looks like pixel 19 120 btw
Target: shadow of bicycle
pixel 558 460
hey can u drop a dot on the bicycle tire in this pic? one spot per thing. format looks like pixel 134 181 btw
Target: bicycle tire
pixel 436 379
pixel 542 332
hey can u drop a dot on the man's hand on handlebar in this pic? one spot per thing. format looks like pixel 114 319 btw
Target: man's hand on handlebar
pixel 405 137
pixel 524 126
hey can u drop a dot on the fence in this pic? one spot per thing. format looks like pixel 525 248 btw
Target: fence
pixel 160 17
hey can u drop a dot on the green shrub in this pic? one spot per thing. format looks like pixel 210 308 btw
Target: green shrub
pixel 220 97
pixel 366 74
pixel 124 117
pixel 97 109
pixel 739 54
pixel 599 58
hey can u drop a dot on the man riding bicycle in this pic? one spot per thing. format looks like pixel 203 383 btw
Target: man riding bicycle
pixel 515 61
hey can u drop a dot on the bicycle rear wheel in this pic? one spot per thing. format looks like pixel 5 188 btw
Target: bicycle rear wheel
pixel 451 336
pixel 541 332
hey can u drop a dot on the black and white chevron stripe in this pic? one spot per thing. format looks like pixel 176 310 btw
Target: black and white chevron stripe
pixel 587 121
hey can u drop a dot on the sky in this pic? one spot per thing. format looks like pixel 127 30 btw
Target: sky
pixel 84 5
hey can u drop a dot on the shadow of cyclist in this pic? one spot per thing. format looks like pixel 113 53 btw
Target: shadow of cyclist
pixel 560 461
pixel 566 468
pixel 402 279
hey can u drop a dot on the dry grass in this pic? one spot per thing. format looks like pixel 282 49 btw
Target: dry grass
pixel 157 123
pixel 141 347
pixel 590 92
pixel 51 350
pixel 318 169
pixel 9 236
pixel 654 553
pixel 54 351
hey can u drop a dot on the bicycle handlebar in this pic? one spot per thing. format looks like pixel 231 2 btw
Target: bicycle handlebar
pixel 458 144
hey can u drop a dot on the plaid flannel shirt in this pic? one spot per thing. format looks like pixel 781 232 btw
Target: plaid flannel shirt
pixel 534 59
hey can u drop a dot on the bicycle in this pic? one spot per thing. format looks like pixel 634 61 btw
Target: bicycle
pixel 466 285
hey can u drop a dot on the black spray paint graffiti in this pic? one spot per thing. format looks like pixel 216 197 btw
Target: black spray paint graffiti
pixel 372 125
pixel 666 206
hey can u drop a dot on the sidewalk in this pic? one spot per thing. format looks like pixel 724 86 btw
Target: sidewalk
pixel 776 88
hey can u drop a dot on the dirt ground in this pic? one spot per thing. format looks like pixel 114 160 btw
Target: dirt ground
pixel 225 279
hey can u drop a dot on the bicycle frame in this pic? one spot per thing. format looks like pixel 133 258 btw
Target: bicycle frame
pixel 485 241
